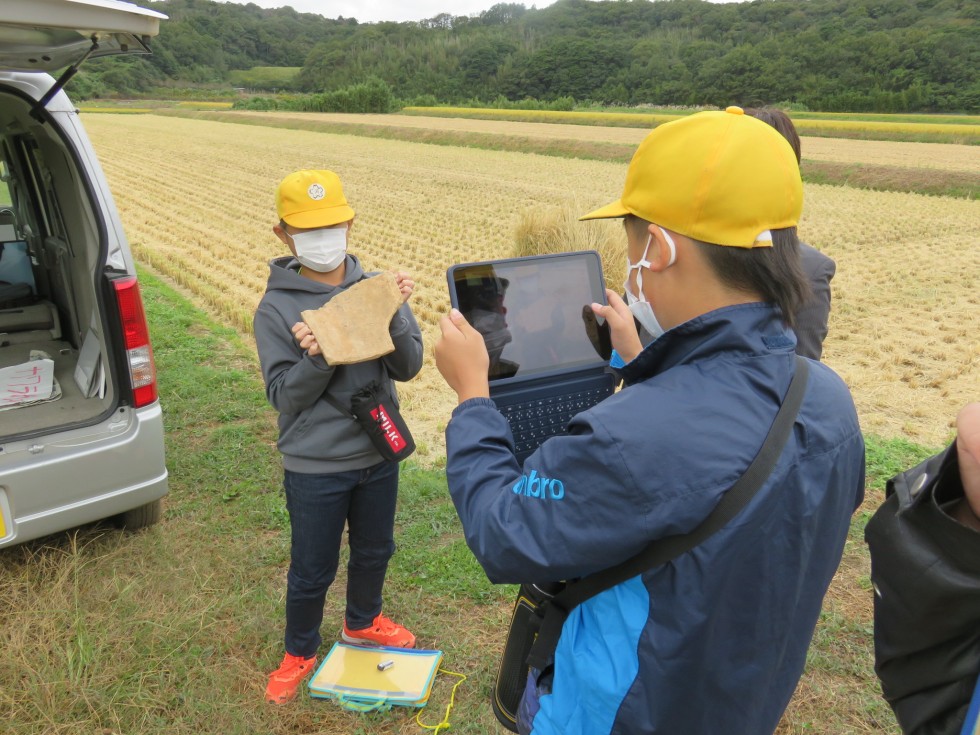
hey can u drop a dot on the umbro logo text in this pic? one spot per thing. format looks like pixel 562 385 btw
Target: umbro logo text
pixel 539 487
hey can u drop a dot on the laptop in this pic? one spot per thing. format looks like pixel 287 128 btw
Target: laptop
pixel 549 354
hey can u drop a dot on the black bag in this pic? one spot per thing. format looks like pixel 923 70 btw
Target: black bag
pixel 374 409
pixel 925 568
pixel 377 414
pixel 512 672
pixel 540 610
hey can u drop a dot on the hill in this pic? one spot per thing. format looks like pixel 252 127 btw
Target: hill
pixel 832 55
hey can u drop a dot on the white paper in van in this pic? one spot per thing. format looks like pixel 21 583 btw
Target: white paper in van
pixel 28 382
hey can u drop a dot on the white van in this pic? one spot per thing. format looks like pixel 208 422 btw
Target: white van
pixel 81 432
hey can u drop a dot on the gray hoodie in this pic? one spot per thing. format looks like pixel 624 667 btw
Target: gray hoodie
pixel 314 436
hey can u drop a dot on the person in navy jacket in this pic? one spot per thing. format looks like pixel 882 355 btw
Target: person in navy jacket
pixel 714 640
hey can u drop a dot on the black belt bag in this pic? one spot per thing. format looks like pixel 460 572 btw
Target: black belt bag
pixel 374 410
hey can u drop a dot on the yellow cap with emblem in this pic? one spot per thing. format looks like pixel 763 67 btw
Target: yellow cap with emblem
pixel 308 199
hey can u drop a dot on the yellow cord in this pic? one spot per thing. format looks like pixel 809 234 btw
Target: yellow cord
pixel 452 701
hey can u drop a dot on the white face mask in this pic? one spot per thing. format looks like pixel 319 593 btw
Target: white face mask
pixel 639 305
pixel 321 250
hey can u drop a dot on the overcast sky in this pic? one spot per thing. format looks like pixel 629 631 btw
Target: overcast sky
pixel 371 11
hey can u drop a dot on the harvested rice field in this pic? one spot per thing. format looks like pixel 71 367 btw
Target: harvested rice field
pixel 945 156
pixel 197 203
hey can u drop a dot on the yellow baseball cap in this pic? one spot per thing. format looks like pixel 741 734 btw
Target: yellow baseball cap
pixel 719 177
pixel 312 199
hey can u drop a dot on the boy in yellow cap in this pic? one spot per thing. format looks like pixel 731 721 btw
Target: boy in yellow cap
pixel 333 475
pixel 714 639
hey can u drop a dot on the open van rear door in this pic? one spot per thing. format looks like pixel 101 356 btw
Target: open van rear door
pixel 47 35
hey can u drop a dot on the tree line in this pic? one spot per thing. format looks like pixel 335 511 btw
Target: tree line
pixel 832 55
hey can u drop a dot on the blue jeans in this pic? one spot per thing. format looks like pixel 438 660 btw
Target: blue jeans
pixel 318 506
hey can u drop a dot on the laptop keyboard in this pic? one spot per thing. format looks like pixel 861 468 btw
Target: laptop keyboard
pixel 534 421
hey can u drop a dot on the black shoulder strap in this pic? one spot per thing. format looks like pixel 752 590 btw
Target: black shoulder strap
pixel 338 405
pixel 664 549
pixel 348 412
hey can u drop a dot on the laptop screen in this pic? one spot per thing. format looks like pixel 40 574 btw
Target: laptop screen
pixel 534 312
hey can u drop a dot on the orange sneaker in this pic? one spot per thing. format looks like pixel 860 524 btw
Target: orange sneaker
pixel 382 632
pixel 285 681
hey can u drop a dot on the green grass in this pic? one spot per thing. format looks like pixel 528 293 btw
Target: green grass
pixel 917 118
pixel 264 77
pixel 174 629
pixel 887 457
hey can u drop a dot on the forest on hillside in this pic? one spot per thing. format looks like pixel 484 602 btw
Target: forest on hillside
pixel 831 55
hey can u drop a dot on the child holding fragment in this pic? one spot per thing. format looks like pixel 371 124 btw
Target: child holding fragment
pixel 332 472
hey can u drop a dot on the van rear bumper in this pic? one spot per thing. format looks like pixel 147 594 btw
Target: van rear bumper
pixel 82 476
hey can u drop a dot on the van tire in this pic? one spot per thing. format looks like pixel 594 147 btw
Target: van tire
pixel 141 517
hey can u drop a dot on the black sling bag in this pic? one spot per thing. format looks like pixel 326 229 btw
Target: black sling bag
pixel 539 615
pixel 373 408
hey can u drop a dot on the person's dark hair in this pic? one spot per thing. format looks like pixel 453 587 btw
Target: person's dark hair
pixel 779 120
pixel 637 224
pixel 774 273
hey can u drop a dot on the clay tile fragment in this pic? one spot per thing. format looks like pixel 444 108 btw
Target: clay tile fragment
pixel 353 325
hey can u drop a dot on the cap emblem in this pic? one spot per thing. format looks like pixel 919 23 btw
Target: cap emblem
pixel 316 192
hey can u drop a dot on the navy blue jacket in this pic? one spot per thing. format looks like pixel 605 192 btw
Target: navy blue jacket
pixel 716 639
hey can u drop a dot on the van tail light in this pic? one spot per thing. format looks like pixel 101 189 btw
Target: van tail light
pixel 139 354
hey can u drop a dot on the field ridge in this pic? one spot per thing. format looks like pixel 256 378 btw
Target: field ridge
pixel 937 182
